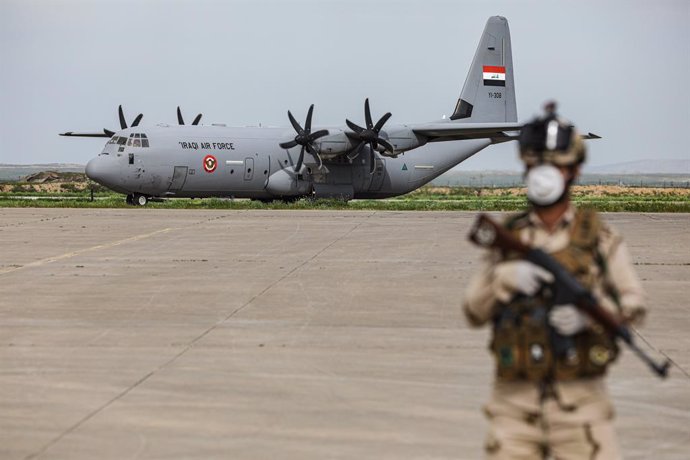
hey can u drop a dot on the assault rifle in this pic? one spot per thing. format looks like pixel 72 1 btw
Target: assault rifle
pixel 488 234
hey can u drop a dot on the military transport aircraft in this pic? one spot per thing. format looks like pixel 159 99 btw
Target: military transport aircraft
pixel 373 160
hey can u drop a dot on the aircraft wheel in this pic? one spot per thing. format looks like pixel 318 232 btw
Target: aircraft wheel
pixel 130 199
pixel 140 200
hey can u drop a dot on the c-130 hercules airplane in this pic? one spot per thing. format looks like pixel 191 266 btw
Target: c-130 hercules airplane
pixel 197 161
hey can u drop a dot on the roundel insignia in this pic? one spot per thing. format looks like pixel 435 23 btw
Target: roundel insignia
pixel 210 163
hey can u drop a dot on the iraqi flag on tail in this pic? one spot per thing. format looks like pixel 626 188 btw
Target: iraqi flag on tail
pixel 494 75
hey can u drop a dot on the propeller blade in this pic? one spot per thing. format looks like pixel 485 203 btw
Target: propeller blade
pixel 123 122
pixel 197 120
pixel 288 145
pixel 382 122
pixel 315 135
pixel 311 149
pixel 298 166
pixel 367 114
pixel 354 154
pixel 294 123
pixel 109 132
pixel 137 120
pixel 180 120
pixel 315 153
pixel 307 124
pixel 386 145
pixel 354 127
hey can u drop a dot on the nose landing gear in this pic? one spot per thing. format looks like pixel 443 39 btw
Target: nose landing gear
pixel 137 200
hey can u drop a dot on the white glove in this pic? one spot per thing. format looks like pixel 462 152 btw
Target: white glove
pixel 567 319
pixel 518 276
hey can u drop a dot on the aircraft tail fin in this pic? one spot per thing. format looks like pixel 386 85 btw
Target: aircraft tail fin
pixel 488 94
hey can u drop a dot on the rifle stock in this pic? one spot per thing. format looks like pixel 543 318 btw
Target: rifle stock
pixel 490 235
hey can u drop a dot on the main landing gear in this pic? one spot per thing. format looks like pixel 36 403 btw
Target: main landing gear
pixel 137 199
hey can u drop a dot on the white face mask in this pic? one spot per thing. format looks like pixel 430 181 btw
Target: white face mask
pixel 545 184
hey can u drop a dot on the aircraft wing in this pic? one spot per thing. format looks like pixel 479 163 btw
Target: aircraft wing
pixel 498 132
pixel 436 132
pixel 105 133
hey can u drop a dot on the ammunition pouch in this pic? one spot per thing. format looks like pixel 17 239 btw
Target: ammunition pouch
pixel 525 346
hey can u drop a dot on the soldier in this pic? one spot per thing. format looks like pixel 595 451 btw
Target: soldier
pixel 547 402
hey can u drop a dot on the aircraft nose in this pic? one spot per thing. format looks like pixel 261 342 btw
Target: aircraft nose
pixel 102 171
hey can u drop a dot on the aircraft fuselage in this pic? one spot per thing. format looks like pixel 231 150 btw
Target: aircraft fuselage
pixel 219 161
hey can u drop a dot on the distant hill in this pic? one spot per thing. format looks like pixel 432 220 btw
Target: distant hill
pixel 10 173
pixel 642 167
pixel 45 166
pixel 456 178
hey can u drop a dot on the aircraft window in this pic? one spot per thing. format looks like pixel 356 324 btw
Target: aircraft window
pixel 131 158
pixel 144 142
pixel 137 142
pixel 121 140
pixel 137 135
pixel 144 136
pixel 129 142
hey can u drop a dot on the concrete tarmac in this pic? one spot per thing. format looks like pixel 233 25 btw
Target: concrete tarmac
pixel 142 333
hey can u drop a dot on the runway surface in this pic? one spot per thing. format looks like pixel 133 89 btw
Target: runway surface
pixel 141 333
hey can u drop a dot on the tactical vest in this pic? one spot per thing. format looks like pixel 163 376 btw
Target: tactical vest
pixel 523 344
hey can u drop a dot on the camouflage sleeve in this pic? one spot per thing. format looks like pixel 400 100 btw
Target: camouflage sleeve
pixel 480 298
pixel 621 275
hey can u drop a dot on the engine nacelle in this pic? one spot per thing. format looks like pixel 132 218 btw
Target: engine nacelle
pixel 338 143
pixel 286 183
pixel 335 144
pixel 403 139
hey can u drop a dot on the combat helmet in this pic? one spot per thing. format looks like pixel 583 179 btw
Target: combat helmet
pixel 551 139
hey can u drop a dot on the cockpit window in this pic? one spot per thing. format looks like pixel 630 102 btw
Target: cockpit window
pixel 137 140
pixel 121 140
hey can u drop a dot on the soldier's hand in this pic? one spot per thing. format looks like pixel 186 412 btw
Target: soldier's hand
pixel 567 319
pixel 518 276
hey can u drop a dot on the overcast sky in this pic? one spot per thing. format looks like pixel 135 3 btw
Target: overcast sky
pixel 618 68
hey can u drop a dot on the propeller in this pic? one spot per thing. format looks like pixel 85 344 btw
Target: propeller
pixel 180 120
pixel 369 136
pixel 305 138
pixel 123 122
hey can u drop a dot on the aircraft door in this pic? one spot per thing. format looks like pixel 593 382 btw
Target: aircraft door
pixel 248 169
pixel 178 179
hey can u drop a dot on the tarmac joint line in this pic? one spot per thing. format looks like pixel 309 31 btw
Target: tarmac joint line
pixel 69 255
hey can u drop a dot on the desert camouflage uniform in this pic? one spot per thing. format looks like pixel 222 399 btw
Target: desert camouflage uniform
pixel 565 419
